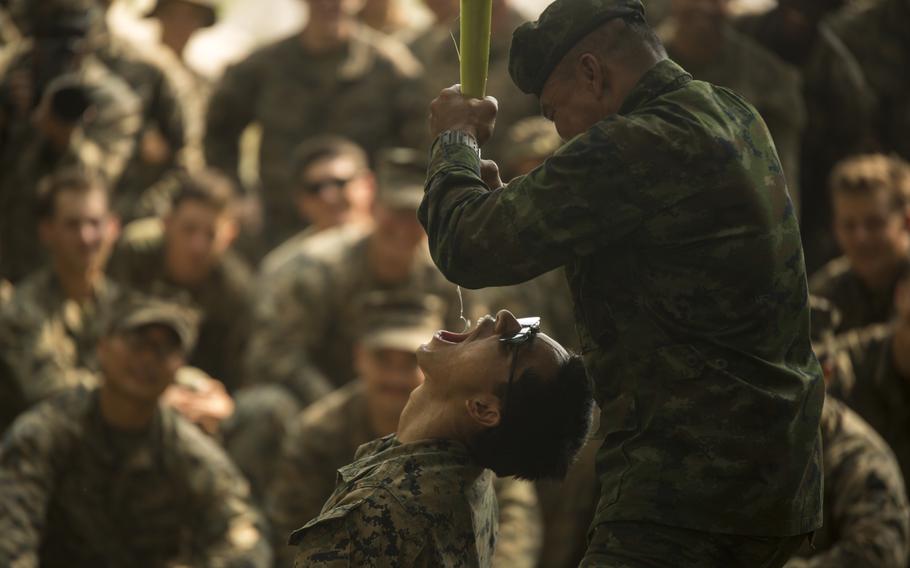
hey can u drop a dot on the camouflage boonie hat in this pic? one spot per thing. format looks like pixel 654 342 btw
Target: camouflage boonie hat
pixel 400 175
pixel 400 320
pixel 538 47
pixel 209 5
pixel 135 312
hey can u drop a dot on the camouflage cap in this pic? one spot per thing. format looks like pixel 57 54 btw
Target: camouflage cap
pixel 211 7
pixel 400 320
pixel 538 47
pixel 400 174
pixel 135 312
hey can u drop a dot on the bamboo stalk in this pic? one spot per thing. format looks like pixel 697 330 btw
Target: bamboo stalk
pixel 475 46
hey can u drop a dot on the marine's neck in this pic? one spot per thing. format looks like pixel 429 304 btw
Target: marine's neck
pixel 78 285
pixel 125 413
pixel 426 417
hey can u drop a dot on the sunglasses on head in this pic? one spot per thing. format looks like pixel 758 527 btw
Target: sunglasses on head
pixel 530 327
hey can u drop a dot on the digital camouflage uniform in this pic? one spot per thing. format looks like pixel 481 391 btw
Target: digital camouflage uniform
pixel 423 504
pixel 878 35
pixel 858 305
pixel 438 53
pixel 839 105
pixel 367 92
pixel 162 111
pixel 867 519
pixel 303 335
pixel 773 87
pixel 682 250
pixel 48 341
pixel 104 143
pixel 225 298
pixel 75 493
pixel 865 377
pixel 325 437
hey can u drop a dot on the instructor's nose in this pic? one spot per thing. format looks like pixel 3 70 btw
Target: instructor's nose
pixel 506 323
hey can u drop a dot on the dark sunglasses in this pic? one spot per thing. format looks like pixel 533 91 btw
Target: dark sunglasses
pixel 315 187
pixel 530 327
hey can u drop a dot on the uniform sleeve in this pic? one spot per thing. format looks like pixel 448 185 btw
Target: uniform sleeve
pixel 377 533
pixel 26 483
pixel 230 111
pixel 289 321
pixel 575 203
pixel 230 532
pixel 300 488
pixel 520 524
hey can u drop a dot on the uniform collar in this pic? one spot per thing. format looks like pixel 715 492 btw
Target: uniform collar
pixel 435 452
pixel 665 76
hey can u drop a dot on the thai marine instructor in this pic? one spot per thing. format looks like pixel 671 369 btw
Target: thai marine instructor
pixel 669 210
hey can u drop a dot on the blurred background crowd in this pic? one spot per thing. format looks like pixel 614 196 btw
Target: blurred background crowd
pixel 259 164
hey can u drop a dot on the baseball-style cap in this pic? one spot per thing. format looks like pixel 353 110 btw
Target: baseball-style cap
pixel 538 47
pixel 400 320
pixel 136 312
pixel 400 175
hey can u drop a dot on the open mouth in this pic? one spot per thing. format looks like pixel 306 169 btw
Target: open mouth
pixel 451 337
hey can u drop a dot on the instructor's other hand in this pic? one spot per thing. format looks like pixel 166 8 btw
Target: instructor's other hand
pixel 453 111
pixel 489 173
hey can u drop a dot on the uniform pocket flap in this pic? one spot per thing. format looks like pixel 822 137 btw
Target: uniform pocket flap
pixel 338 512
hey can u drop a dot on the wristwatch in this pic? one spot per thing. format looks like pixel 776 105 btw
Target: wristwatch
pixel 447 137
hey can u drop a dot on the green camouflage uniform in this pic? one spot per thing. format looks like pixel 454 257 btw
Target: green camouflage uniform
pixel 867 519
pixel 424 504
pixel 48 340
pixel 773 87
pixel 225 299
pixel 858 305
pixel 303 335
pixel 162 110
pixel 865 377
pixel 839 105
pixel 682 251
pixel 105 143
pixel 76 493
pixel 878 35
pixel 325 437
pixel 367 92
pixel 438 53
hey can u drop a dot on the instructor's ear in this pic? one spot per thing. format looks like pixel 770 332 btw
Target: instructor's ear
pixel 592 75
pixel 484 410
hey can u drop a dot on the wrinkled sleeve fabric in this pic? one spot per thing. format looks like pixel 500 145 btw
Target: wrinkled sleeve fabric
pixel 573 204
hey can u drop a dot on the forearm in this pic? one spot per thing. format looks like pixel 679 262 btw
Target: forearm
pixel 468 225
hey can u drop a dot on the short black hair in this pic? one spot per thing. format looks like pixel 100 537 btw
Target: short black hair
pixel 543 425
pixel 75 179
pixel 209 187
